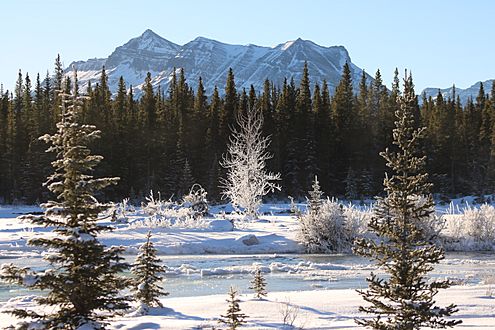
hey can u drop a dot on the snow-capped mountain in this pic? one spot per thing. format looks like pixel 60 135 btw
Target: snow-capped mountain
pixel 212 59
pixel 464 94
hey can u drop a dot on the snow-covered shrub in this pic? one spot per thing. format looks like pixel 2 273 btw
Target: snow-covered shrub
pixel 119 212
pixel 356 220
pixel 289 313
pixel 168 214
pixel 324 230
pixel 476 225
pixel 196 200
pixel 155 206
pixel 481 223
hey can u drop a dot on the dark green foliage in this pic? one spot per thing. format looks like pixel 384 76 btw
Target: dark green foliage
pixel 234 318
pixel 147 273
pixel 258 284
pixel 314 129
pixel 405 300
pixel 82 278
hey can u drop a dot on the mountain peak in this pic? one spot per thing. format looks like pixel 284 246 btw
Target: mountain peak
pixel 150 41
pixel 291 43
pixel 149 33
pixel 211 59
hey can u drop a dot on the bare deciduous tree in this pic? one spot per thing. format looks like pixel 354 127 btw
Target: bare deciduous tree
pixel 247 179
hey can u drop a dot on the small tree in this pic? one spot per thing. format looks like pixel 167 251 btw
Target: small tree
pixel 315 197
pixel 324 231
pixel 82 279
pixel 234 318
pixel 147 270
pixel 322 228
pixel 405 300
pixel 258 284
pixel 247 180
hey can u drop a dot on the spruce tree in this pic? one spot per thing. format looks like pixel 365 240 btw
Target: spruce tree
pixel 258 284
pixel 405 300
pixel 234 318
pixel 147 270
pixel 315 197
pixel 82 279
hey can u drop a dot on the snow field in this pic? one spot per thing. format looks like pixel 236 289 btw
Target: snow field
pixel 324 309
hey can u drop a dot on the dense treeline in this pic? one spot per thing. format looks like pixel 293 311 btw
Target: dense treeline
pixel 167 140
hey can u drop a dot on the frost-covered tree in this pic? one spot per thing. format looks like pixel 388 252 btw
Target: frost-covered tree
pixel 326 230
pixel 405 299
pixel 247 179
pixel 322 228
pixel 234 318
pixel 258 284
pixel 82 281
pixel 315 197
pixel 147 272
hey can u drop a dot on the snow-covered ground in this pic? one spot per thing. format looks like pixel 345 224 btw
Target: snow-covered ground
pixel 320 309
pixel 202 262
pixel 274 234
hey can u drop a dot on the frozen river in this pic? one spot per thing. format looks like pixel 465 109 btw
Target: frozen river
pixel 193 275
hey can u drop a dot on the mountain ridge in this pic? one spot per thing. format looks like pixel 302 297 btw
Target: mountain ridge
pixel 211 59
pixel 464 94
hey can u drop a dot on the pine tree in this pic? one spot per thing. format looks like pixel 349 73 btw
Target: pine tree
pixel 405 300
pixel 343 120
pixel 258 284
pixel 146 270
pixel 234 318
pixel 82 277
pixel 315 197
pixel 351 185
pixel 186 180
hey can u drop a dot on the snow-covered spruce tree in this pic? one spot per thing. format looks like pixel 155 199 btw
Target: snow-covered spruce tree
pixel 315 197
pixel 81 281
pixel 146 271
pixel 234 318
pixel 406 299
pixel 322 228
pixel 258 284
pixel 247 180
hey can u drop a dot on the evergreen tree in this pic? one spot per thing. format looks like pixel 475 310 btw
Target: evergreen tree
pixel 82 277
pixel 351 185
pixel 405 300
pixel 234 318
pixel 147 273
pixel 258 284
pixel 315 197
pixel 343 115
pixel 186 179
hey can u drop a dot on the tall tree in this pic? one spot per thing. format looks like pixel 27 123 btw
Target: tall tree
pixel 247 180
pixel 78 295
pixel 405 300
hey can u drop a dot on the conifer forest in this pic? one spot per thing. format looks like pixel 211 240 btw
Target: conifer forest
pixel 167 140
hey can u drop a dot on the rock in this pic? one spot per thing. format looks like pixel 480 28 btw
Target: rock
pixel 221 225
pixel 249 240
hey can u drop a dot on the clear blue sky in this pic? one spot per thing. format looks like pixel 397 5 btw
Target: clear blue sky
pixel 442 42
